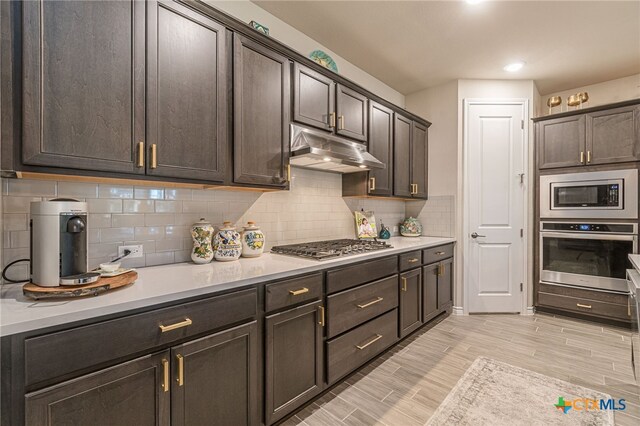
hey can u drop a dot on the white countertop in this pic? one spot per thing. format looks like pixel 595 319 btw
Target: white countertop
pixel 161 284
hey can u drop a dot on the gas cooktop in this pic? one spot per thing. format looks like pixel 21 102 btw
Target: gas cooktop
pixel 321 250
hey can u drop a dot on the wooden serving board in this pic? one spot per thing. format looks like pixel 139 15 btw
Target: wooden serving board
pixel 102 285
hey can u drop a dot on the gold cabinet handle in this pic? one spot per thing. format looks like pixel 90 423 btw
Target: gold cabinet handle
pixel 581 157
pixel 413 260
pixel 321 313
pixel 416 188
pixel 373 302
pixel 370 342
pixel 154 156
pixel 332 119
pixel 404 284
pixel 165 328
pixel 439 253
pixel 140 154
pixel 440 269
pixel 588 156
pixel 165 379
pixel 298 292
pixel 580 305
pixel 341 122
pixel 372 184
pixel 180 378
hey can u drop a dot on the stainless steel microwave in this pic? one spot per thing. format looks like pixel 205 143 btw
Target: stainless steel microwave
pixel 610 194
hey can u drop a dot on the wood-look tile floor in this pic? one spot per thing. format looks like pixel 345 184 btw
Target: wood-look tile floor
pixel 407 384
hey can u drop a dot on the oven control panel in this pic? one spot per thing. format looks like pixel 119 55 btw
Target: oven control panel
pixel 617 228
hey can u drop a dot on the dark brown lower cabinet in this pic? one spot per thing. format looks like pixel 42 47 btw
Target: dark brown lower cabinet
pixel 410 301
pixel 430 291
pixel 294 364
pixel 445 283
pixel 131 393
pixel 214 379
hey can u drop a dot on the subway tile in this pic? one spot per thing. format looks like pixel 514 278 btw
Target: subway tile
pixel 194 206
pixel 120 220
pixel 144 192
pixel 99 220
pixel 149 232
pixel 177 194
pixel 174 232
pixel 115 191
pixel 19 239
pixel 168 245
pixel 15 222
pixel 182 256
pixel 136 262
pixel 28 187
pixel 77 190
pixel 116 234
pixel 94 235
pixel 168 206
pixel 159 219
pixel 203 195
pixel 18 204
pixel 159 258
pixel 105 206
pixel 108 250
pixel 138 206
pixel 11 254
pixel 5 186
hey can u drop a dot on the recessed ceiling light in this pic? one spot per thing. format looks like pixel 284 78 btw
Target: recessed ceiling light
pixel 516 66
pixel 474 1
pixel 327 159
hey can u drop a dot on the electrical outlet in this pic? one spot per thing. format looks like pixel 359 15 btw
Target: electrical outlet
pixel 136 251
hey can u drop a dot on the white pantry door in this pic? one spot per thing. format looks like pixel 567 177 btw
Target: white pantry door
pixel 495 195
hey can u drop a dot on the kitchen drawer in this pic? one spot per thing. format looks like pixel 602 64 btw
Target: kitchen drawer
pixel 291 292
pixel 410 260
pixel 600 296
pixel 351 350
pixel 586 306
pixel 351 276
pixel 349 308
pixel 65 352
pixel 436 254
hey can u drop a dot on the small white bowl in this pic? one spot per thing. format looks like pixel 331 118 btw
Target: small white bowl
pixel 109 267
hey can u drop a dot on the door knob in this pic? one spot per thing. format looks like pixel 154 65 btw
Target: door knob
pixel 476 235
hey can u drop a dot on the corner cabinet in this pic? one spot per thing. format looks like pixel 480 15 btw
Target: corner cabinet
pixel 83 91
pixel 262 105
pixel 188 81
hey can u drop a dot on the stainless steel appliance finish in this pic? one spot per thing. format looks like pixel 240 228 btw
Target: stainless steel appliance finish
pixel 59 243
pixel 321 250
pixel 587 254
pixel 315 149
pixel 633 280
pixel 591 195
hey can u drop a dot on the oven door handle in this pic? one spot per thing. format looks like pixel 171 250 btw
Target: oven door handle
pixel 579 236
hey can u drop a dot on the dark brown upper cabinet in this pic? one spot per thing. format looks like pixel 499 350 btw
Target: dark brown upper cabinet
pixel 83 84
pixel 613 135
pixel 351 111
pixel 187 82
pixel 262 105
pixel 381 147
pixel 561 142
pixel 313 98
pixel 419 161
pixel 402 157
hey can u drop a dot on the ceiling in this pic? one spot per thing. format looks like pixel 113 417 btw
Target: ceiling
pixel 413 45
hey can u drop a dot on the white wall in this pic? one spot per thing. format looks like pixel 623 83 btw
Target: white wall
pixel 246 11
pixel 607 92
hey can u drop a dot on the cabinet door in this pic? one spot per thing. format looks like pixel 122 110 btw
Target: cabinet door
pixel 445 283
pixel 187 95
pixel 313 98
pixel 410 301
pixel 294 359
pixel 131 393
pixel 419 160
pixel 262 81
pixel 381 147
pixel 83 84
pixel 561 142
pixel 402 156
pixel 352 110
pixel 429 291
pixel 215 379
pixel 613 136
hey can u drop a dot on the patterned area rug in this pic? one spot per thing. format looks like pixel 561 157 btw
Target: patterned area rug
pixel 494 393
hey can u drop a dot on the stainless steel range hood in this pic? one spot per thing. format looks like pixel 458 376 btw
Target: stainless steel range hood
pixel 315 149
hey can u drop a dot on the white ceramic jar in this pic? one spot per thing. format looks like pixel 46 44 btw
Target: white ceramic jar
pixel 202 234
pixel 252 240
pixel 227 245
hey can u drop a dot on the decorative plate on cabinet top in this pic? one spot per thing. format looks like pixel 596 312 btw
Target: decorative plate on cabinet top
pixel 323 59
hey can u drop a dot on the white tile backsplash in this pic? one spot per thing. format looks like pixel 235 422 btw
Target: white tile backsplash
pixel 159 218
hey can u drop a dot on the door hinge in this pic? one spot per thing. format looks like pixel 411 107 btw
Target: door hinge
pixel 520 287
pixel 522 124
pixel 521 233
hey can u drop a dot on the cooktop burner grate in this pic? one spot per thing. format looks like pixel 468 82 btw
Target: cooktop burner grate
pixel 321 250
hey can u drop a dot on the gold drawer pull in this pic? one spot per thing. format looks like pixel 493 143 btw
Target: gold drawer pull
pixel 321 320
pixel 341 122
pixel 439 253
pixel 373 302
pixel 404 284
pixel 370 342
pixel 165 379
pixel 441 269
pixel 332 119
pixel 165 328
pixel 414 260
pixel 372 184
pixel 140 154
pixel 180 378
pixel 581 157
pixel 579 305
pixel 298 292
pixel 154 156
pixel 588 156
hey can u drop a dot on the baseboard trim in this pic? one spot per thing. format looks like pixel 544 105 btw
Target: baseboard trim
pixel 457 310
pixel 530 310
